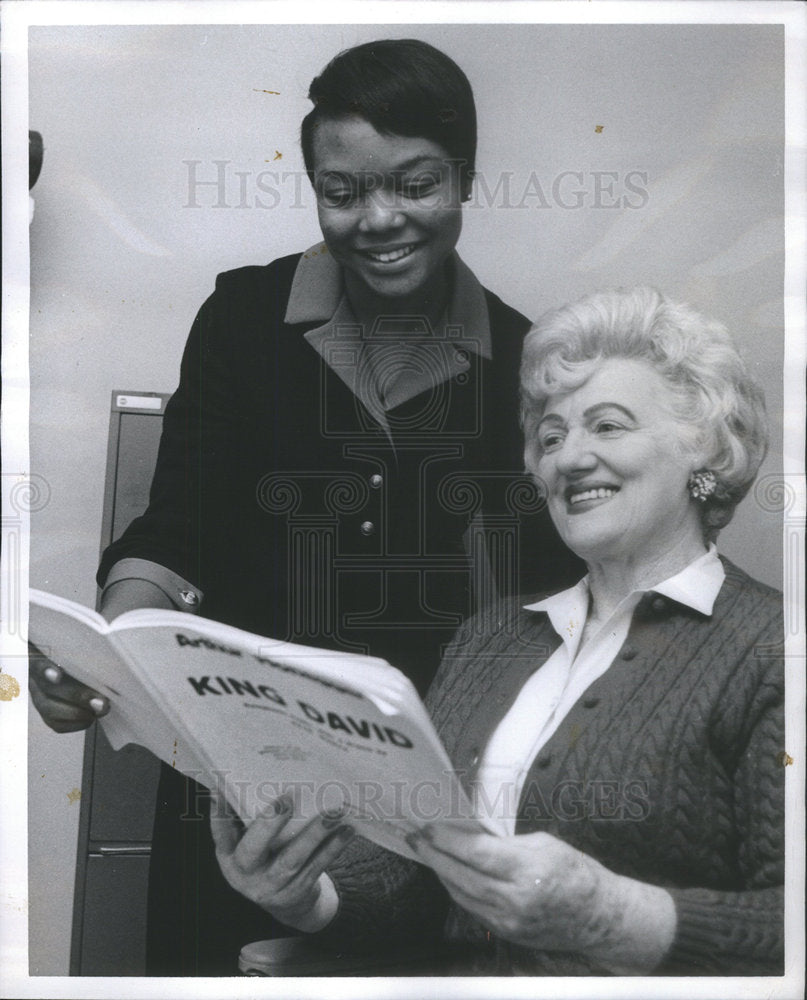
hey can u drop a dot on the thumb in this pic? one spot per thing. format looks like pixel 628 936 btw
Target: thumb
pixel 225 827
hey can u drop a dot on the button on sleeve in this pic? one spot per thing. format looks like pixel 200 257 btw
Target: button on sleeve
pixel 184 596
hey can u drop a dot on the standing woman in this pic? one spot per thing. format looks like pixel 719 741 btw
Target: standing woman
pixel 345 421
pixel 626 733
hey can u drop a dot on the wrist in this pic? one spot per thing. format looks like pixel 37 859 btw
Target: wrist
pixel 639 921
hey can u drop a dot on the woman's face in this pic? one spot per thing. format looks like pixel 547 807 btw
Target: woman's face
pixel 615 466
pixel 389 206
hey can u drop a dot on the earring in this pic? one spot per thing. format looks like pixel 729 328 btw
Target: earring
pixel 702 484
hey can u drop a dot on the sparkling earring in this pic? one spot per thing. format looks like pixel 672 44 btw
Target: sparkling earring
pixel 702 484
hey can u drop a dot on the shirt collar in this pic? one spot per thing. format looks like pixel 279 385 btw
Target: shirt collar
pixel 696 586
pixel 318 296
pixel 567 610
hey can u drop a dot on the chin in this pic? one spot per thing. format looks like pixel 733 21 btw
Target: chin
pixel 589 547
pixel 391 289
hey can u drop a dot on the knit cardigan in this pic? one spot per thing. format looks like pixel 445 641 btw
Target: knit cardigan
pixel 667 770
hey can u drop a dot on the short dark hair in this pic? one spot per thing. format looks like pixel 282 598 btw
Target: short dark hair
pixel 401 87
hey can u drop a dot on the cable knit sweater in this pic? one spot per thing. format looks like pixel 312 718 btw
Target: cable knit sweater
pixel 667 770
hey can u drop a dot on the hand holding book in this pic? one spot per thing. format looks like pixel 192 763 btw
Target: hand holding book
pixel 65 704
pixel 284 874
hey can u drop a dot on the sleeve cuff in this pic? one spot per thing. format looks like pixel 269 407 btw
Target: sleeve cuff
pixel 727 933
pixel 183 596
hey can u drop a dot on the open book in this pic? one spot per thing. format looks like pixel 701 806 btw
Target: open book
pixel 253 717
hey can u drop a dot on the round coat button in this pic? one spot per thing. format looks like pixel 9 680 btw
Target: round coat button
pixel 628 653
pixel 376 480
pixel 544 760
pixel 367 528
pixel 591 702
pixel 189 597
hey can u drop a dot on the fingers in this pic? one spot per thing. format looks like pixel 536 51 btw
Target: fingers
pixel 65 704
pixel 272 864
pixel 331 848
pixel 268 842
pixel 477 892
pixel 58 715
pixel 459 877
pixel 268 837
pixel 59 685
pixel 263 835
pixel 458 851
pixel 307 855
pixel 296 885
pixel 479 882
pixel 225 827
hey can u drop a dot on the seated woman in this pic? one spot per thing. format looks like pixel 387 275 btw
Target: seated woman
pixel 624 732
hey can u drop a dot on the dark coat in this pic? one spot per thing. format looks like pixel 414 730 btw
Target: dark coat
pixel 267 497
pixel 281 497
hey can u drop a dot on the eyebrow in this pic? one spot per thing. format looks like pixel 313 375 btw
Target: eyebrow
pixel 416 160
pixel 413 161
pixel 555 418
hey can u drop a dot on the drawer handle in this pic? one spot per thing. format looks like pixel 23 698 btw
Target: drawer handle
pixel 125 849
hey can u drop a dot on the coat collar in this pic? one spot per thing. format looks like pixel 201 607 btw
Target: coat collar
pixel 318 296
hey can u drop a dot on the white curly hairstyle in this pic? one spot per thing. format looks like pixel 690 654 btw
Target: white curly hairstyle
pixel 720 407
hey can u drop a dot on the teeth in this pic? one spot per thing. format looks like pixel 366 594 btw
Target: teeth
pixel 602 493
pixel 392 255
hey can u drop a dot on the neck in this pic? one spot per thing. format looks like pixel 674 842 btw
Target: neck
pixel 428 302
pixel 611 580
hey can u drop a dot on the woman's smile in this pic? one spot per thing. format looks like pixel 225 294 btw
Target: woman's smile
pixel 580 498
pixel 386 258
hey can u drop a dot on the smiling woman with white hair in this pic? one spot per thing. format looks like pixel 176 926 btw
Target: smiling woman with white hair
pixel 717 406
pixel 625 733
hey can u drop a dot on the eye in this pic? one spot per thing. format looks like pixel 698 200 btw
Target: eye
pixel 335 191
pixel 550 440
pixel 420 186
pixel 608 427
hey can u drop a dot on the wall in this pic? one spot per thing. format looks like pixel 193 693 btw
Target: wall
pixel 691 134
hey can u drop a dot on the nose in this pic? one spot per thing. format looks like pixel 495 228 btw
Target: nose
pixel 381 213
pixel 576 454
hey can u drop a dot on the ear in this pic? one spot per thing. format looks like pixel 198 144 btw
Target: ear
pixel 700 459
pixel 467 183
pixel 697 449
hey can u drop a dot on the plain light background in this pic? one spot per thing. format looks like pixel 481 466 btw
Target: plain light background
pixel 120 261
